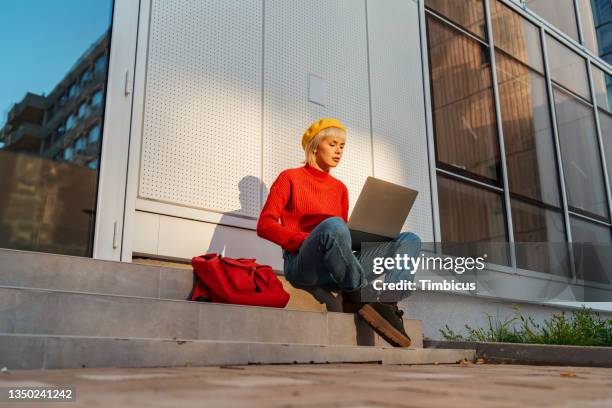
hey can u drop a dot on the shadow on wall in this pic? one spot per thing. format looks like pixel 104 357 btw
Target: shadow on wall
pixel 223 239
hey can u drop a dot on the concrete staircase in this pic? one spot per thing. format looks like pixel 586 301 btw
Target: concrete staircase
pixel 67 312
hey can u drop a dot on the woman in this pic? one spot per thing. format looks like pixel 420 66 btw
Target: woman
pixel 312 207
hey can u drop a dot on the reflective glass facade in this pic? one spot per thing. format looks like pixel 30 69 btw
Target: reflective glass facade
pixel 463 111
pixel 535 170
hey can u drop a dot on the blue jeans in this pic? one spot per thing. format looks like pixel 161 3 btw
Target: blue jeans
pixel 325 259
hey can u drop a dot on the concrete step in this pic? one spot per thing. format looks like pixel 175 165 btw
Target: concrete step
pixel 51 312
pixel 145 278
pixel 60 311
pixel 55 351
pixel 77 274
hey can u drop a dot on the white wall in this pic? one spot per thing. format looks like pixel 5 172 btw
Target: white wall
pixel 398 107
pixel 225 100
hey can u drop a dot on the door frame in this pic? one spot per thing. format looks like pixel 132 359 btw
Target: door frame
pixel 110 206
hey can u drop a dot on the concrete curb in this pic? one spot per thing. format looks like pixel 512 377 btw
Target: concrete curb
pixel 19 351
pixel 516 353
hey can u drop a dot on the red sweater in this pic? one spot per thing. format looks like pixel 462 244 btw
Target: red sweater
pixel 300 198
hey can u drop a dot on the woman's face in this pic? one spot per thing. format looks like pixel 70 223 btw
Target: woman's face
pixel 329 152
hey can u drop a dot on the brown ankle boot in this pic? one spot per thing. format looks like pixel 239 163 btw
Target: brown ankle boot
pixel 386 320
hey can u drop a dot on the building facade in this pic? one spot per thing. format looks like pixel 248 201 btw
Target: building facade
pixel 66 124
pixel 50 155
pixel 497 111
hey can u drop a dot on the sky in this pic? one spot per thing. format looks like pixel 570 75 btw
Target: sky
pixel 40 40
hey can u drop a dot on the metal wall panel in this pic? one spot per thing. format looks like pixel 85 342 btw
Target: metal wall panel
pixel 398 110
pixel 326 39
pixel 201 143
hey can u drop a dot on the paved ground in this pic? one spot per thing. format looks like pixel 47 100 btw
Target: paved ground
pixel 338 385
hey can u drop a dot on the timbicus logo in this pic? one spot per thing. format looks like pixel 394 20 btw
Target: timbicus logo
pixel 457 264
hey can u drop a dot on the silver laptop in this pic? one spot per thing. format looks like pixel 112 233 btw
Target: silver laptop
pixel 380 212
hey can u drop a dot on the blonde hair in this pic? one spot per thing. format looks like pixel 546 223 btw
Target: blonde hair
pixel 310 156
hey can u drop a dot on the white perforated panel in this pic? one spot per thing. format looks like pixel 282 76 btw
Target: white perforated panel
pixel 327 39
pixel 398 116
pixel 201 142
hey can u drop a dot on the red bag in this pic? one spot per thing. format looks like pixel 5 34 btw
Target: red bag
pixel 241 281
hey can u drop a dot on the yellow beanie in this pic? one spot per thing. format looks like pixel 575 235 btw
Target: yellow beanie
pixel 318 126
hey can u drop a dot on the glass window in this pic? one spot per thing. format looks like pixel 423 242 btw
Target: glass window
pixel 587 20
pixel 528 135
pixel 469 15
pixel 582 168
pixel 463 105
pixel 94 134
pixel 100 64
pixel 560 13
pixel 73 90
pixel 540 241
pixel 47 49
pixel 591 246
pixel 603 88
pixel 470 214
pixel 93 164
pixel 516 36
pixel 567 68
pixel 96 99
pixel 80 144
pixel 85 77
pixel 82 110
pixel 604 39
pixel 68 153
pixel 71 122
pixel 602 11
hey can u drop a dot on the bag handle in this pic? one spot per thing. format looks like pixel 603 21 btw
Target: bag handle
pixel 241 262
pixel 208 257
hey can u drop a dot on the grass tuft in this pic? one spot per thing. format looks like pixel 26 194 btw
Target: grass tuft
pixel 583 327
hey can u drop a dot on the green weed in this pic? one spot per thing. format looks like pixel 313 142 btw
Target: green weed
pixel 583 327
